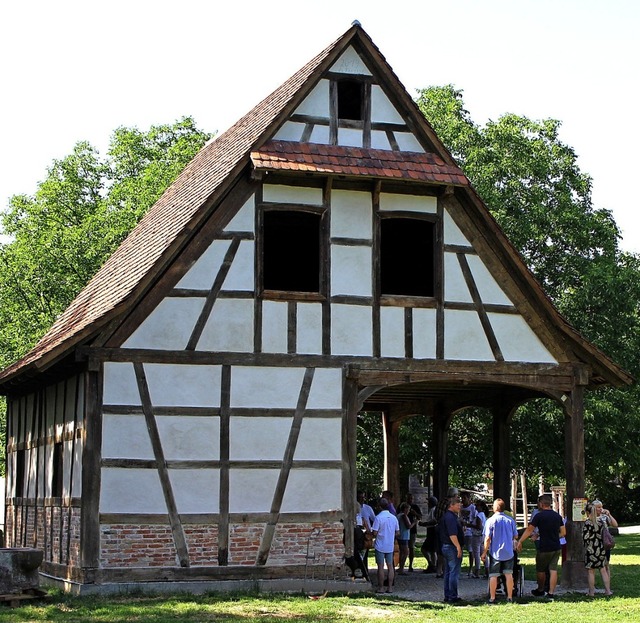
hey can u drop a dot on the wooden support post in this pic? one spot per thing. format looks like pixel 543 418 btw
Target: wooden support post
pixel 391 454
pixel 514 493
pixel 525 510
pixel 502 417
pixel 439 451
pixel 574 574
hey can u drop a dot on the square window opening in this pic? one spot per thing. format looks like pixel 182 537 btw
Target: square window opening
pixel 291 251
pixel 407 257
pixel 350 99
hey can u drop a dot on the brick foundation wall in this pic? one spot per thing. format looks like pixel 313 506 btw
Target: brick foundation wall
pixel 56 529
pixel 128 545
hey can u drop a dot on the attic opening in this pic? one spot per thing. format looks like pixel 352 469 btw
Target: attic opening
pixel 350 100
pixel 291 250
pixel 407 256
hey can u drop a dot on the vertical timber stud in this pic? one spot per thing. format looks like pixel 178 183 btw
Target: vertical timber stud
pixel 91 473
pixel 391 453
pixel 574 574
pixel 502 416
pixel 439 450
pixel 349 454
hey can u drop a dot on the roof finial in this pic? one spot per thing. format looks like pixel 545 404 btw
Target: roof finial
pixel 355 22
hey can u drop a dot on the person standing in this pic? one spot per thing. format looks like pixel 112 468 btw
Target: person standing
pixel 500 534
pixel 608 518
pixel 451 540
pixel 550 528
pixel 385 531
pixel 415 515
pixel 595 555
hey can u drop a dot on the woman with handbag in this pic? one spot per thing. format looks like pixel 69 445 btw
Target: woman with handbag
pixel 595 554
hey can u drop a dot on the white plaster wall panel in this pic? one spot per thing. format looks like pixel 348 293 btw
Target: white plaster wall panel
pixel 351 330
pixel 168 326
pixel 173 385
pixel 309 328
pixel 455 286
pixel 408 203
pixel 77 470
pixel 349 137
pixel 240 275
pixel 276 193
pixel 382 110
pixel 196 490
pixel 452 233
pixel 125 437
pixel 320 440
pixel 490 291
pixel 351 214
pixel 392 332
pixel 268 388
pixel 304 495
pixel 351 270
pixel 131 491
pixel 350 63
pixel 185 437
pixel 289 131
pixel 229 327
pixel 316 104
pixel 252 490
pixel 380 140
pixel 408 142
pixel 464 337
pixel 244 219
pixel 320 134
pixel 517 340
pixel 424 333
pixel 326 389
pixel 203 273
pixel 258 438
pixel 274 327
pixel 120 386
pixel 67 460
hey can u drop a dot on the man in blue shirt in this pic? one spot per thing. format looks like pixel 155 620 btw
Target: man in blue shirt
pixel 451 540
pixel 500 532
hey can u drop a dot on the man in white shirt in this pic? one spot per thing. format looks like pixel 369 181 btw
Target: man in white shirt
pixel 385 530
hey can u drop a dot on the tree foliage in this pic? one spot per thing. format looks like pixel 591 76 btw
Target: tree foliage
pixel 59 237
pixel 87 204
pixel 531 182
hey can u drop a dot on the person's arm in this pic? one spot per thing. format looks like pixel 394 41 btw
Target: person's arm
pixel 485 551
pixel 525 535
pixel 454 540
pixel 563 531
pixel 610 519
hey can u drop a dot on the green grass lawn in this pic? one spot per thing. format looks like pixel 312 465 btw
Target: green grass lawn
pixel 571 608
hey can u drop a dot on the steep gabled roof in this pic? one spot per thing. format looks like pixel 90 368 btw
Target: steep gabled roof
pixel 163 231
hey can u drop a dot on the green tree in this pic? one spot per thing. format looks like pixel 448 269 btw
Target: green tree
pixel 79 214
pixel 60 236
pixel 531 182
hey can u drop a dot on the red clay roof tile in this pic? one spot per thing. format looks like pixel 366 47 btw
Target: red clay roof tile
pixel 339 160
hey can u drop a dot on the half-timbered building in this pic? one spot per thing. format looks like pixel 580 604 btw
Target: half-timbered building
pixel 192 414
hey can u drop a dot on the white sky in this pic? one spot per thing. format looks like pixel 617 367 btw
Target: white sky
pixel 75 70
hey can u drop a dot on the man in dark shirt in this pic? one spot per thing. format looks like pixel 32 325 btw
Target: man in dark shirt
pixel 451 540
pixel 550 528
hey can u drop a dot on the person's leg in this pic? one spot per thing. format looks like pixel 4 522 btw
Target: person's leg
pixel 591 581
pixel 493 585
pixel 508 577
pixel 412 549
pixel 449 557
pixel 380 564
pixel 404 552
pixel 455 576
pixel 606 580
pixel 391 575
pixel 553 580
pixel 476 542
